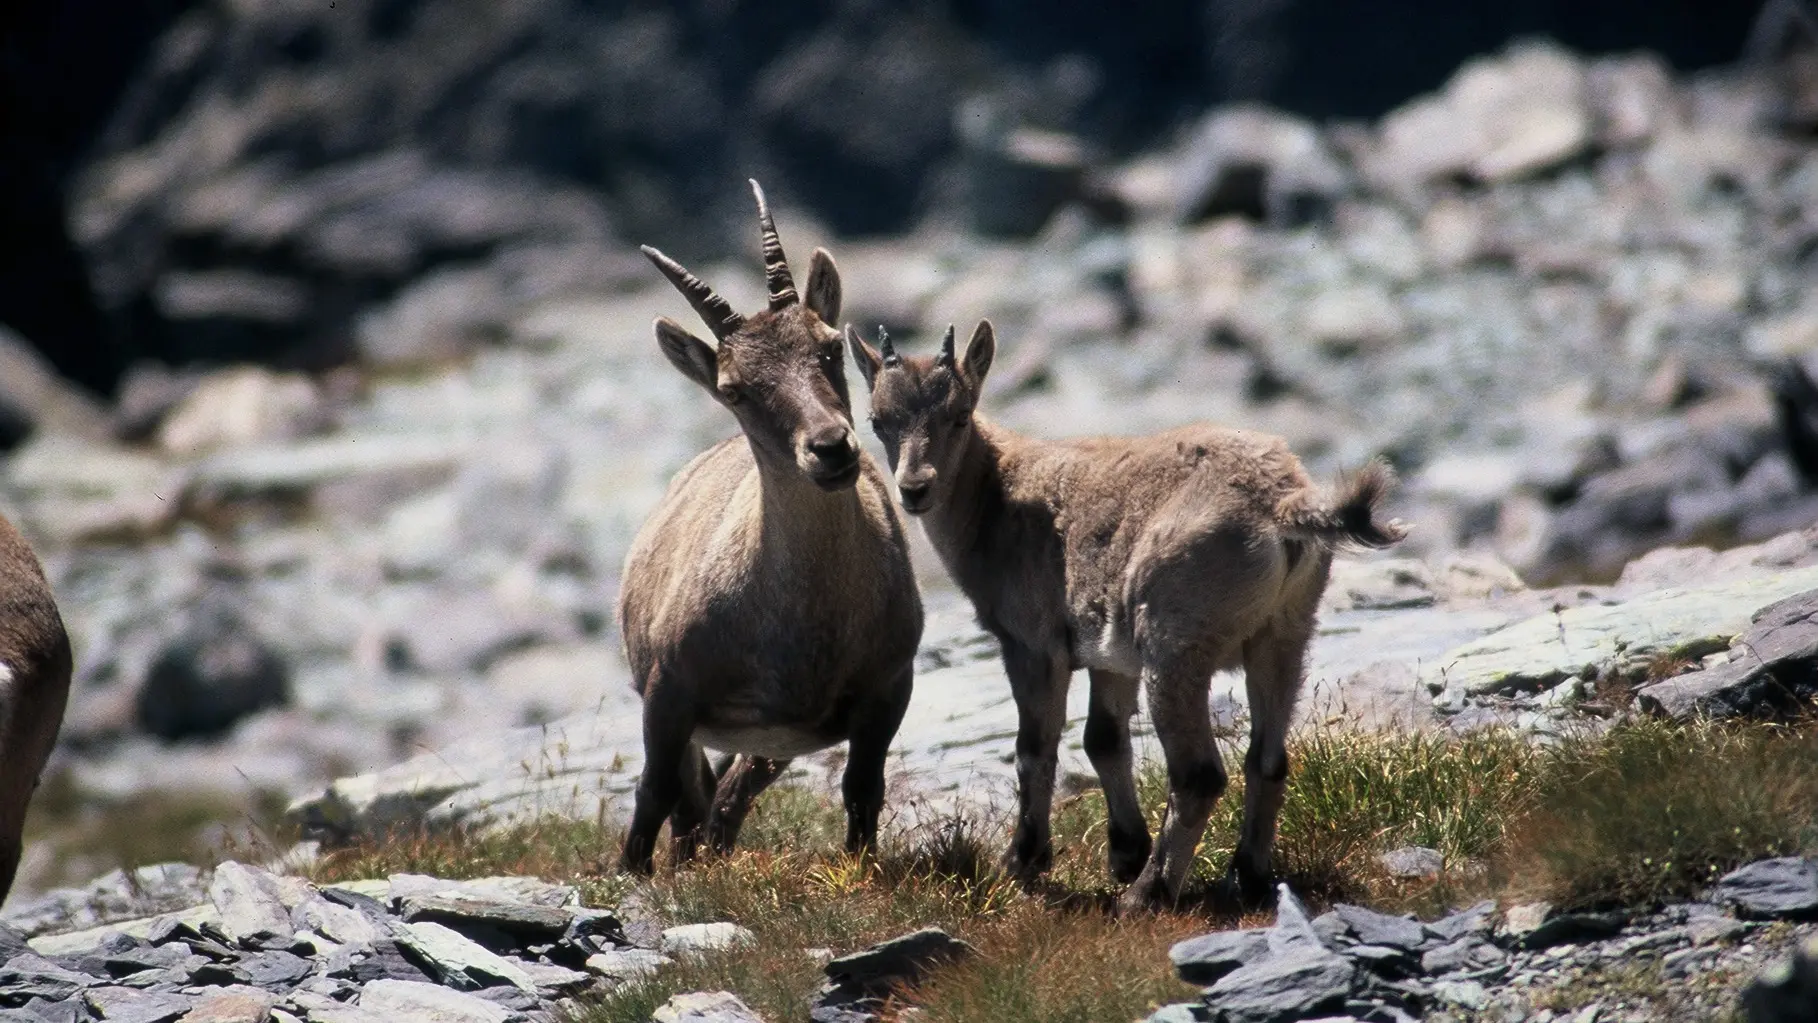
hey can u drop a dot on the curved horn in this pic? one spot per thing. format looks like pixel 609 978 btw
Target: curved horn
pixel 886 349
pixel 776 265
pixel 713 309
pixel 947 348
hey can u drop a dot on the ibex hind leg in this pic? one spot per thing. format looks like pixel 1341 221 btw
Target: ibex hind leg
pixel 874 725
pixel 739 787
pixel 670 758
pixel 1274 664
pixel 1178 705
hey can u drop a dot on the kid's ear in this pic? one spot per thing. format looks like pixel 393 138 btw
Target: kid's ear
pixel 979 353
pixel 868 359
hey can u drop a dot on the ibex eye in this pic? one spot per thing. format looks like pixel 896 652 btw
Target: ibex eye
pixel 732 394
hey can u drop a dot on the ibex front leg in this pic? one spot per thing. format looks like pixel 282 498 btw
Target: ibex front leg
pixel 1039 684
pixel 874 724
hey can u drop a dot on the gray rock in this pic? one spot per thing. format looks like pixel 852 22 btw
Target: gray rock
pixel 232 1005
pixel 1773 668
pixel 404 999
pixel 1475 919
pixel 12 942
pixel 1293 986
pixel 1463 955
pixel 341 924
pixel 252 910
pixel 523 922
pixel 709 937
pixel 1257 163
pixel 1465 994
pixel 215 672
pixel 125 1005
pixel 1205 959
pixel 111 898
pixel 705 1007
pixel 899 961
pixel 275 969
pixel 623 965
pixel 457 961
pixel 1783 888
pixel 29 975
pixel 1293 930
pixel 1181 1012
pixel 40 1010
pixel 1413 861
pixel 1369 927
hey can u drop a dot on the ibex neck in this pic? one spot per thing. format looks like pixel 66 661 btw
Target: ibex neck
pixel 977 498
pixel 798 514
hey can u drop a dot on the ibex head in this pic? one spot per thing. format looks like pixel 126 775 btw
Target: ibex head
pixel 778 370
pixel 921 408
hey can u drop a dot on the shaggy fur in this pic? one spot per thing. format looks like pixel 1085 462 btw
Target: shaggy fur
pixel 35 666
pixel 1152 562
pixel 768 607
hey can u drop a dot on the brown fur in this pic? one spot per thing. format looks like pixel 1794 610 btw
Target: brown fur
pixel 768 606
pixel 35 666
pixel 1150 561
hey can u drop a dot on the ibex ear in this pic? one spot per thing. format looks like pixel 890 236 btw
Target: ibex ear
pixel 694 357
pixel 979 353
pixel 824 286
pixel 865 356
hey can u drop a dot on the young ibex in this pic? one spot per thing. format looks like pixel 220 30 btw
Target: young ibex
pixel 768 608
pixel 1155 560
pixel 35 667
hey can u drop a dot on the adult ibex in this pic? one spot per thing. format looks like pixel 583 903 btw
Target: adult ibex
pixel 1158 560
pixel 768 608
pixel 35 667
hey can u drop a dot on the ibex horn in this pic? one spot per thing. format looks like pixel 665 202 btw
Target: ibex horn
pixel 947 347
pixel 887 349
pixel 776 265
pixel 713 309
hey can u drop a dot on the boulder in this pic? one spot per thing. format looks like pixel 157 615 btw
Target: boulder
pixel 1296 985
pixel 1772 668
pixel 241 406
pixel 215 672
pixel 1257 163
pixel 1776 889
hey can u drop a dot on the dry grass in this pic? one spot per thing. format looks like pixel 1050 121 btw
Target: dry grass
pixel 1644 812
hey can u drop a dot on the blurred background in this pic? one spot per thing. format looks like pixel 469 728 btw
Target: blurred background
pixel 328 394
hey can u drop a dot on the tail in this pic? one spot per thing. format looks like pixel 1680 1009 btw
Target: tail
pixel 1346 518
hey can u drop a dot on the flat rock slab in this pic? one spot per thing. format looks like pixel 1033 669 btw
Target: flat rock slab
pixel 1679 623
pixel 127 1005
pixel 458 960
pixel 902 960
pixel 251 905
pixel 705 1007
pixel 525 921
pixel 705 937
pixel 1294 986
pixel 232 1005
pixel 1783 888
pixel 1206 959
pixel 427 1003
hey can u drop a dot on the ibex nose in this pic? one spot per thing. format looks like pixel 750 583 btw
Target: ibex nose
pixel 833 445
pixel 915 495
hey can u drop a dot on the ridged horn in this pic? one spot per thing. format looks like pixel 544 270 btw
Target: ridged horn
pixel 713 309
pixel 776 265
pixel 886 349
pixel 947 348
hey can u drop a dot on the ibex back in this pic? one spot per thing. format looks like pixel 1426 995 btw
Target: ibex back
pixel 768 606
pixel 1150 561
pixel 35 666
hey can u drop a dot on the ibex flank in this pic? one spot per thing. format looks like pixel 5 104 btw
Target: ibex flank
pixel 35 666
pixel 1152 562
pixel 768 608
